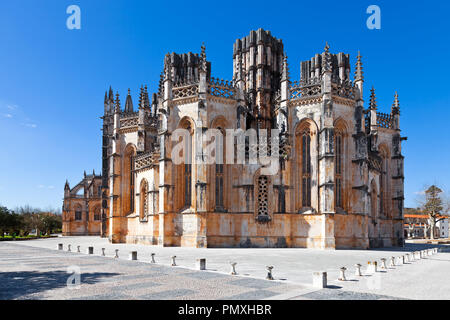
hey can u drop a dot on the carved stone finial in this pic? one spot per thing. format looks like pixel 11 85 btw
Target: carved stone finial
pixel 396 106
pixel 117 109
pixel 373 99
pixel 359 74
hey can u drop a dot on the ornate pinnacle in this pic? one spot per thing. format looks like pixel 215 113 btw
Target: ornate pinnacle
pixel 359 74
pixel 285 75
pixel 111 94
pixel 203 66
pixel 141 98
pixel 396 106
pixel 326 59
pixel 373 99
pixel 129 103
pixel 146 99
pixel 117 109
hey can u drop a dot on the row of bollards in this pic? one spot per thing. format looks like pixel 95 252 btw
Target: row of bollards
pixel 200 263
pixel 320 278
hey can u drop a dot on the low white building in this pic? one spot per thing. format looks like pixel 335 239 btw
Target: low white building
pixel 443 228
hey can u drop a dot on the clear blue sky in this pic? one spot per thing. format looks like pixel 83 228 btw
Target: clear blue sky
pixel 53 79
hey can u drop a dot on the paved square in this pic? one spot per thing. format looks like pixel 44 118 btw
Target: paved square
pixel 36 270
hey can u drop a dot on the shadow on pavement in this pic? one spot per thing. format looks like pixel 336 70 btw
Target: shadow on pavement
pixel 16 285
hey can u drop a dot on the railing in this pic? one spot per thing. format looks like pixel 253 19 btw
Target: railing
pixel 221 88
pixel 384 120
pixel 146 159
pixel 185 91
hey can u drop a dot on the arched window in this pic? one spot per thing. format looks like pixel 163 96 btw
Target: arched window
pixel 373 200
pixel 306 168
pixel 384 182
pixel 128 179
pixel 263 196
pixel 78 213
pixel 184 170
pixel 97 214
pixel 339 168
pixel 143 200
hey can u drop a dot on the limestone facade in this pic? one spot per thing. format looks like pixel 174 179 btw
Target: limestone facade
pixel 340 178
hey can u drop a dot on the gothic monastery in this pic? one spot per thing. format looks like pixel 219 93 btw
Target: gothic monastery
pixel 339 182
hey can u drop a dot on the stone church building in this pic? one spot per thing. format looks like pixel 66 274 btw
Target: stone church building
pixel 82 207
pixel 339 182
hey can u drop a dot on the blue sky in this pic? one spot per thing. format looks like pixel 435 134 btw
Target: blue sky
pixel 53 79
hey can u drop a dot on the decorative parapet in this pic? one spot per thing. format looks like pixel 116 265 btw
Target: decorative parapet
pixel 303 89
pixel 146 160
pixel 185 91
pixel 129 119
pixel 384 120
pixel 221 88
pixel 344 89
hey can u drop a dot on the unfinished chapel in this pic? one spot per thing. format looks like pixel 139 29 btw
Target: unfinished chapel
pixel 339 179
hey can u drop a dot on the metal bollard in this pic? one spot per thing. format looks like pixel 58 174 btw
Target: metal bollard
pixel 269 273
pixel 320 279
pixel 117 253
pixel 358 270
pixel 173 261
pixel 233 268
pixel 103 252
pixel 201 264
pixel 383 263
pixel 153 258
pixel 60 246
pixel 342 274
pixel 403 259
pixel 78 249
pixel 90 250
pixel 132 255
pixel 69 249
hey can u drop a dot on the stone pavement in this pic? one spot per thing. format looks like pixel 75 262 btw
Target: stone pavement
pixel 38 271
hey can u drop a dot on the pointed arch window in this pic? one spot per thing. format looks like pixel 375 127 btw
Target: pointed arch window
pixel 305 149
pixel 339 168
pixel 143 200
pixel 384 203
pixel 128 178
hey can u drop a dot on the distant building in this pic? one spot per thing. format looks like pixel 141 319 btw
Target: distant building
pixel 417 225
pixel 443 228
pixel 82 207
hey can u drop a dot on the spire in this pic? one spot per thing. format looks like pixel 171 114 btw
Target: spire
pixel 117 109
pixel 93 172
pixel 396 106
pixel 111 94
pixel 141 97
pixel 85 174
pixel 106 97
pixel 285 74
pixel 326 59
pixel 373 99
pixel 66 186
pixel 129 103
pixel 203 65
pixel 359 74
pixel 146 99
